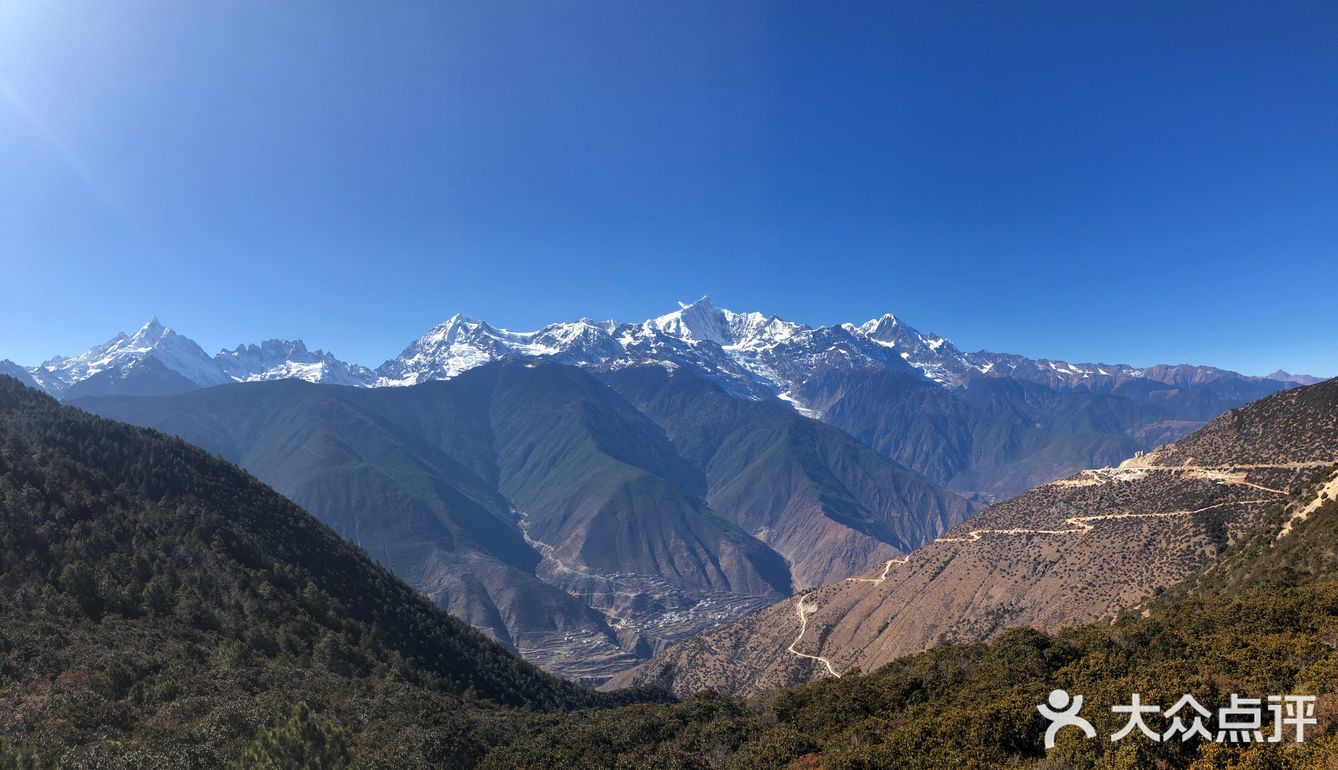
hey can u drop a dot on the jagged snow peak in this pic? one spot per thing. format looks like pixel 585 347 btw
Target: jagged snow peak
pixel 750 354
pixel 290 360
pixel 463 343
pixel 152 340
pixel 122 354
pixel 938 358
pixel 702 321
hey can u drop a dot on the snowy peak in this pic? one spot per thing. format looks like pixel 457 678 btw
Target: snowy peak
pixel 287 360
pixel 933 355
pixel 155 359
pixel 753 355
pixel 151 332
pixel 458 344
pixel 454 327
pixel 179 354
pixel 124 354
pixel 700 321
pixel 750 354
pixel 753 331
pixel 462 343
pixel 883 327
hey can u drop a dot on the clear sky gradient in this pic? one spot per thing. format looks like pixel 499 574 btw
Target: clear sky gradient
pixel 1122 182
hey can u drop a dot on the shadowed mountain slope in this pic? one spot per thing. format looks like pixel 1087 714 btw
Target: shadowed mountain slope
pixel 992 424
pixel 585 527
pixel 1001 436
pixel 831 505
pixel 530 500
pixel 158 604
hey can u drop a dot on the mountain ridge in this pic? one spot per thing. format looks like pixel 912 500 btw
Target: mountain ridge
pixel 983 437
pixel 751 354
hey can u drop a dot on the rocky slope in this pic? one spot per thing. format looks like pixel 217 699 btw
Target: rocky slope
pixel 161 609
pixel 830 505
pixel 1148 523
pixel 1258 620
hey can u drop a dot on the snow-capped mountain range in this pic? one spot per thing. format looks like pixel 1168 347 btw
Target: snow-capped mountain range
pixel 751 354
pixel 289 360
pixel 159 360
pixel 122 355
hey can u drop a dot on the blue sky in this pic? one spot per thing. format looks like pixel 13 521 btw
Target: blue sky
pixel 1122 182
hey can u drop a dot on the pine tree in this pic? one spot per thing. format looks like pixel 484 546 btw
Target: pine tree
pixel 304 742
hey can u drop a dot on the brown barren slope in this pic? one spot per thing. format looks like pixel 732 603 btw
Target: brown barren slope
pixel 1066 553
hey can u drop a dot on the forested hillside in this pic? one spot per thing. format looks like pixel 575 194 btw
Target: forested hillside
pixel 159 605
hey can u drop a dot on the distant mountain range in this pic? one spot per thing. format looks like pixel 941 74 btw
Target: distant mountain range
pixel 584 521
pixel 156 360
pixel 747 353
pixel 592 492
pixel 985 423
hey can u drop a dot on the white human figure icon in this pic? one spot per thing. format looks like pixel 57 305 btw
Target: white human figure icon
pixel 1063 712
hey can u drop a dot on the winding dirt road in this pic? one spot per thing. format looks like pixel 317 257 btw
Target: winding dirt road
pixel 1078 525
pixel 802 609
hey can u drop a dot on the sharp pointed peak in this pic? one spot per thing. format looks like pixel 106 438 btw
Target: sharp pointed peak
pixel 151 327
pixel 703 302
pixel 459 318
pixel 884 321
pixel 457 323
